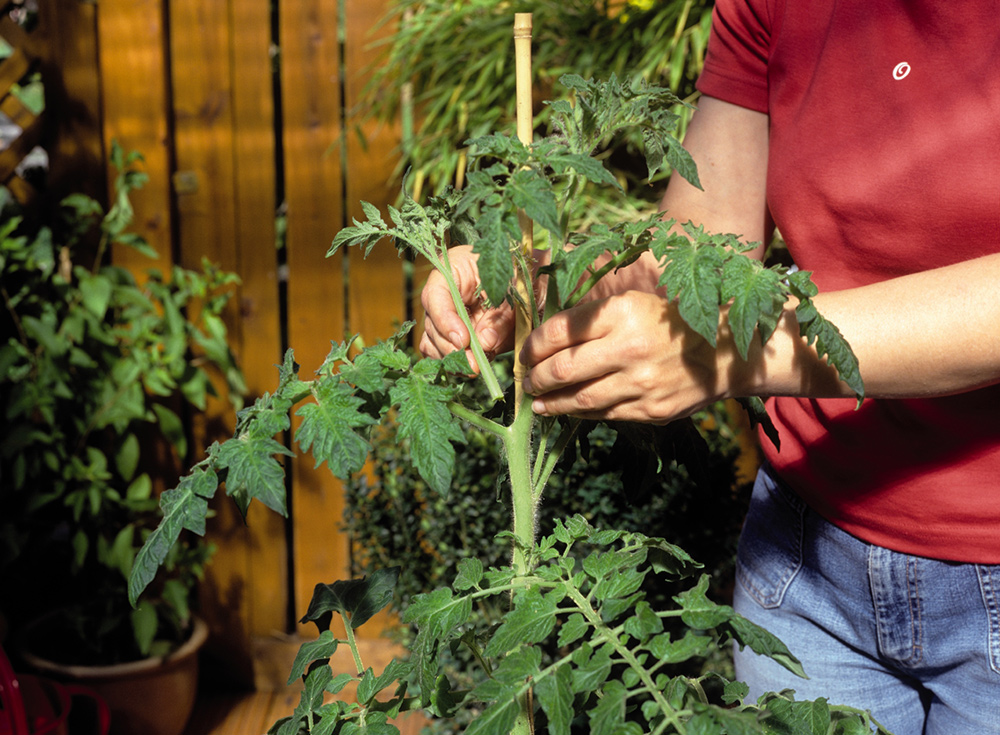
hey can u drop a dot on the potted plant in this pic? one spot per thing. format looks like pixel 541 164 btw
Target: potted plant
pixel 579 643
pixel 97 371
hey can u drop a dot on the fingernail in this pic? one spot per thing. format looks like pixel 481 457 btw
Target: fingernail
pixel 526 385
pixel 538 406
pixel 456 339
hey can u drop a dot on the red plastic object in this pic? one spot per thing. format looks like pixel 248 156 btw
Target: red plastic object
pixel 32 705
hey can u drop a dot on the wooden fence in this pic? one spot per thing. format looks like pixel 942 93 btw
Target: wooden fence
pixel 237 107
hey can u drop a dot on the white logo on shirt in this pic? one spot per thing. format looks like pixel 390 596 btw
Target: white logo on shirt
pixel 901 70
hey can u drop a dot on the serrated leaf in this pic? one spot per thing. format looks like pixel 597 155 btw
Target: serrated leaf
pixel 680 160
pixel 470 572
pixel 787 717
pixel 328 428
pixel 438 616
pixel 367 373
pixel 555 694
pixel 254 471
pixel 644 622
pixel 424 419
pixel 588 167
pixel 531 619
pixel 757 298
pixel 571 265
pixel 590 674
pixel 321 648
pixel 518 666
pixel 692 276
pixel 764 643
pixel 532 192
pixel 831 344
pixel 735 692
pixel 184 507
pixel 697 611
pixel 495 264
pixel 690 646
pixel 456 363
pixel 497 719
pixel 609 713
pixel 572 630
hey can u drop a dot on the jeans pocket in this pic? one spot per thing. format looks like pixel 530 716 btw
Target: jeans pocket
pixel 770 549
pixel 989 585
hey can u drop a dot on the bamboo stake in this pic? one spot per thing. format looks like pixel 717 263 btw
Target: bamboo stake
pixel 525 128
pixel 523 497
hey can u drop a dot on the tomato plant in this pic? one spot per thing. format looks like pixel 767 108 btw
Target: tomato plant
pixel 609 665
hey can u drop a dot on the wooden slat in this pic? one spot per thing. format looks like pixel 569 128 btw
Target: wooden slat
pixel 133 41
pixel 370 169
pixel 21 146
pixel 16 111
pixel 13 68
pixel 201 54
pixel 311 123
pixel 17 37
pixel 73 136
pixel 267 581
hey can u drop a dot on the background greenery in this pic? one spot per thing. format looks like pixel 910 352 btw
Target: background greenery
pixel 97 373
pixel 449 72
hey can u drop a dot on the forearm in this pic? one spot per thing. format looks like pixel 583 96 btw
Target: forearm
pixel 926 334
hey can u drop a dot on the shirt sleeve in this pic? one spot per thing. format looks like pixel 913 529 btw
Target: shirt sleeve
pixel 738 49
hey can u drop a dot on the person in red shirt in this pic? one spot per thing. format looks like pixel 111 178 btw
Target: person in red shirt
pixel 868 132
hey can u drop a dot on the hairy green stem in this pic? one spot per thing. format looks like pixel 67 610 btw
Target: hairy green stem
pixel 352 642
pixel 517 442
pixel 477 420
pixel 622 258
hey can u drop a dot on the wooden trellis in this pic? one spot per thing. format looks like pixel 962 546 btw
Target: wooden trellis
pixel 15 70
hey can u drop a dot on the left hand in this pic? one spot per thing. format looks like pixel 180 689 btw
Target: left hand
pixel 629 357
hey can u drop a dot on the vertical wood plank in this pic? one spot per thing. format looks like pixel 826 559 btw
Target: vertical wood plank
pixel 255 190
pixel 204 183
pixel 132 40
pixel 69 65
pixel 310 69
pixel 376 291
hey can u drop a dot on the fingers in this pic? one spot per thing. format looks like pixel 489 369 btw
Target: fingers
pixel 628 358
pixel 444 329
pixel 579 345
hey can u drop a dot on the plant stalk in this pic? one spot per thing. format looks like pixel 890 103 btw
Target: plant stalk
pixel 475 346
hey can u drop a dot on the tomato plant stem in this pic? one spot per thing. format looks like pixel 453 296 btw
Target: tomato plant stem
pixel 518 445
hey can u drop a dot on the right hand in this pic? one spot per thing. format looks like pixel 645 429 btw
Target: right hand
pixel 444 330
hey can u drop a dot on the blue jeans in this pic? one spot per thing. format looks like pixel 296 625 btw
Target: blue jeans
pixel 916 641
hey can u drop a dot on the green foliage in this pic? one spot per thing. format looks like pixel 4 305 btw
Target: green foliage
pixel 97 368
pixel 447 70
pixel 583 586
pixel 614 667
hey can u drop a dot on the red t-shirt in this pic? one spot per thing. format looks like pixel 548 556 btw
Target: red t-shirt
pixel 884 159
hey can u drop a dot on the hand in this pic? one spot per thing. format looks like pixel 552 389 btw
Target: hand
pixel 444 330
pixel 629 357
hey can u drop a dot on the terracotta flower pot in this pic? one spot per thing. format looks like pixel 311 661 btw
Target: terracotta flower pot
pixel 154 696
